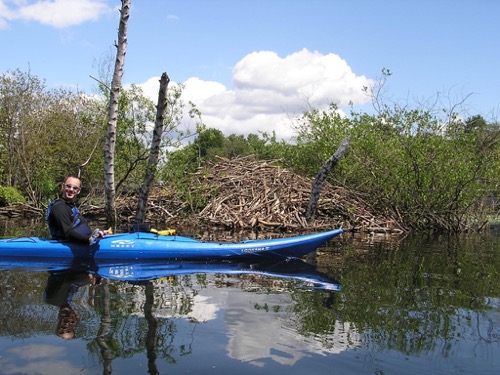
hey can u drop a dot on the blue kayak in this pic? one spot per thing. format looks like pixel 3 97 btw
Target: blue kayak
pixel 154 246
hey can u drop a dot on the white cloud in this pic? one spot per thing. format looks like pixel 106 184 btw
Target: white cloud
pixel 5 15
pixel 303 75
pixel 55 13
pixel 269 90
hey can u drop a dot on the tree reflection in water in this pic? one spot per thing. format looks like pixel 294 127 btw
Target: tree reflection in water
pixel 427 302
pixel 106 351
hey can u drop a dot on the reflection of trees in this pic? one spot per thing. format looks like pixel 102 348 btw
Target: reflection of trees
pixel 106 351
pixel 22 309
pixel 151 333
pixel 415 296
pixel 129 325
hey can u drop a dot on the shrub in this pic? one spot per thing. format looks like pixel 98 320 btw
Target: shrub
pixel 10 195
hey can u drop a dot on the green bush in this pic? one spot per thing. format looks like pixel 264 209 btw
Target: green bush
pixel 434 173
pixel 10 195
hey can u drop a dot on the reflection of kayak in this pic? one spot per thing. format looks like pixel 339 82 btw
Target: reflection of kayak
pixel 131 271
pixel 148 245
pixel 292 269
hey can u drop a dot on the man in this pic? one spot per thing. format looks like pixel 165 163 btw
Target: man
pixel 64 219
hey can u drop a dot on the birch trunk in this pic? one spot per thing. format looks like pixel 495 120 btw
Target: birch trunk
pixel 109 158
pixel 154 151
pixel 321 177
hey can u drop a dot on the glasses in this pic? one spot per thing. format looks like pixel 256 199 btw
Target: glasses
pixel 72 187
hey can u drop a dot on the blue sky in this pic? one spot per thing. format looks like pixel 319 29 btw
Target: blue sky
pixel 251 65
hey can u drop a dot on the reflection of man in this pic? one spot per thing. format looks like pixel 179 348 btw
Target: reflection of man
pixel 66 322
pixel 61 286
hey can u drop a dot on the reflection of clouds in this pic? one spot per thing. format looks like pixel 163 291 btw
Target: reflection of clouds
pixel 257 333
pixel 475 334
pixel 49 366
pixel 174 301
pixel 35 351
pixel 203 310
pixel 259 325
pixel 262 326
pixel 38 359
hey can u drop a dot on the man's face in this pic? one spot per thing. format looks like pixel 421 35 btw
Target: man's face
pixel 71 188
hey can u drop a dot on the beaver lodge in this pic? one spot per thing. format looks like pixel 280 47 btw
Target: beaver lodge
pixel 244 193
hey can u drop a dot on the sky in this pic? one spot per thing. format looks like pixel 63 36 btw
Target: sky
pixel 253 66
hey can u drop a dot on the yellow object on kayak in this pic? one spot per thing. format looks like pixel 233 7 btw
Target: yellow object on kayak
pixel 164 232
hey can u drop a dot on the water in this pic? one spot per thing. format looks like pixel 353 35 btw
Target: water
pixel 423 305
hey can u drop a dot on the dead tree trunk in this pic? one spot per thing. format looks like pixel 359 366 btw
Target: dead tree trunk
pixel 154 151
pixel 114 95
pixel 321 177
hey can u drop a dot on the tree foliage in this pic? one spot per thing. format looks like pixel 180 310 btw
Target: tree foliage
pixel 433 169
pixel 433 174
pixel 44 134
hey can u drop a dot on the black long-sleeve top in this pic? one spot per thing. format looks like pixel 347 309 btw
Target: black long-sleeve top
pixel 62 222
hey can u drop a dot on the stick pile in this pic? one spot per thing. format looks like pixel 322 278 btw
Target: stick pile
pixel 245 193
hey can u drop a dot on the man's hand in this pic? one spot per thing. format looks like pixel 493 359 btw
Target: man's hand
pixel 96 236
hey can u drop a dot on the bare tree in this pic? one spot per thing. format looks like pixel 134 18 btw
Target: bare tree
pixel 154 150
pixel 321 177
pixel 109 159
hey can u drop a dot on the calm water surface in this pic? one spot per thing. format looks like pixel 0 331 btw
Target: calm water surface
pixel 422 305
